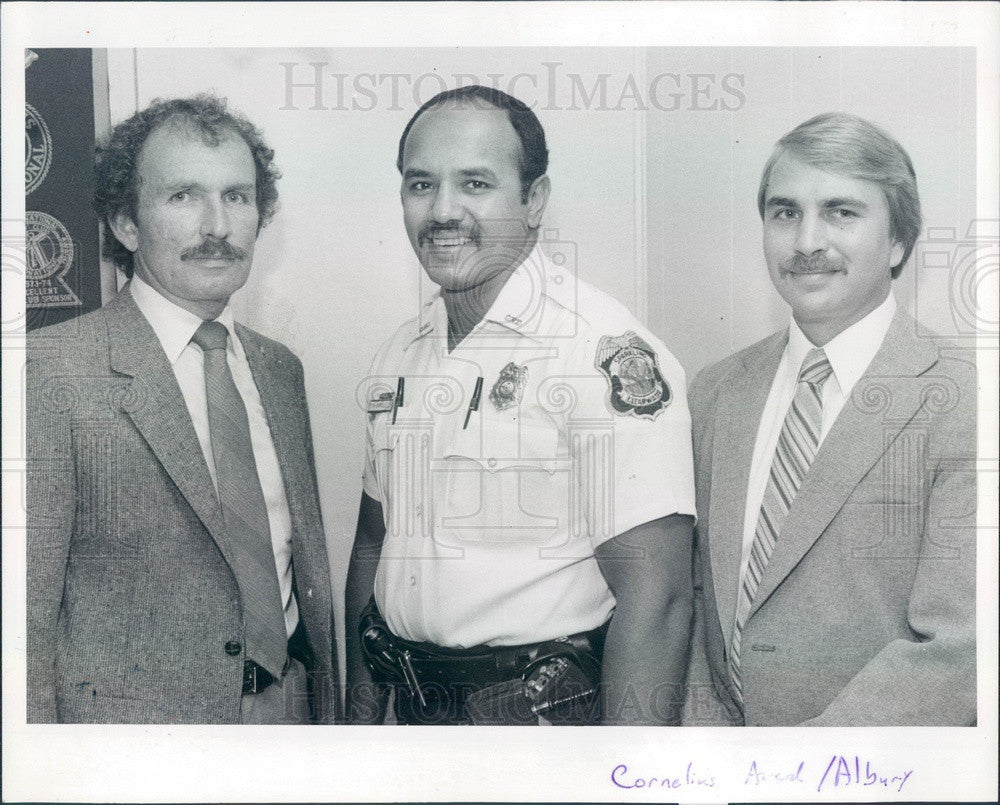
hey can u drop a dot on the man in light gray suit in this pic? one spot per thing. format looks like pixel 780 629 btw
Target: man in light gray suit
pixel 177 567
pixel 835 465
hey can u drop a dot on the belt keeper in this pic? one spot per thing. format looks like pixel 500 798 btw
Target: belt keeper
pixel 411 677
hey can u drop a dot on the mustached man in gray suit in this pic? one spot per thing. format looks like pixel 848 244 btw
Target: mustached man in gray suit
pixel 177 568
pixel 835 464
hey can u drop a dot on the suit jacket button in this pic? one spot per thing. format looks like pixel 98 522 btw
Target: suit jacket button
pixel 233 648
pixel 309 593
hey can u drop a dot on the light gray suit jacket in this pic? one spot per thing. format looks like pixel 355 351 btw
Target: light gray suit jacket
pixel 865 613
pixel 131 595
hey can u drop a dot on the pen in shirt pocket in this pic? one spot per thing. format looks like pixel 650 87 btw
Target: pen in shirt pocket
pixel 474 402
pixel 397 403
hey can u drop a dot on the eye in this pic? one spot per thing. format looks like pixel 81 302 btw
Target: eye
pixel 477 185
pixel 419 186
pixel 786 214
pixel 181 196
pixel 844 213
pixel 237 197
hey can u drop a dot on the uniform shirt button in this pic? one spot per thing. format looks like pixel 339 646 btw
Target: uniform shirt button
pixel 418 510
pixel 309 593
pixel 233 648
pixel 492 462
pixel 413 581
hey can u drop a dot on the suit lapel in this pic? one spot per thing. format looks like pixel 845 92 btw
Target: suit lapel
pixel 156 407
pixel 737 415
pixel 882 403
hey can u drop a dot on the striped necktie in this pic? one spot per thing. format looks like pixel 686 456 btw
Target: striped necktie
pixel 243 508
pixel 797 445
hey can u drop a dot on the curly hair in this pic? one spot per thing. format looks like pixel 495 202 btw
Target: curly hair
pixel 533 160
pixel 116 182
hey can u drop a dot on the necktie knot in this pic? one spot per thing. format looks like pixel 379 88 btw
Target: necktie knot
pixel 211 335
pixel 815 368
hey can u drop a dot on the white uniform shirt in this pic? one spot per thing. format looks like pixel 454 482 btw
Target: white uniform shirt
pixel 850 353
pixel 174 326
pixel 491 528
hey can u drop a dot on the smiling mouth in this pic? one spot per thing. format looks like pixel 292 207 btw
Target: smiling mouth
pixel 445 241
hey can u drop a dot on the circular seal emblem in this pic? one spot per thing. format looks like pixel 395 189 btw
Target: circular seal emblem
pixel 48 245
pixel 635 370
pixel 637 388
pixel 37 149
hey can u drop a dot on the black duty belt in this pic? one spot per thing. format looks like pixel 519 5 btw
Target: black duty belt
pixel 424 666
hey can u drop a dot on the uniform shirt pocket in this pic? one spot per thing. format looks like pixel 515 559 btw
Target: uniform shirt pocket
pixel 504 482
pixel 402 460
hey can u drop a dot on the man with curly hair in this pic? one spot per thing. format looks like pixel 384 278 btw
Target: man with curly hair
pixel 177 567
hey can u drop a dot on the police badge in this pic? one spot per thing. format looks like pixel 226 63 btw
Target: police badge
pixel 509 388
pixel 637 386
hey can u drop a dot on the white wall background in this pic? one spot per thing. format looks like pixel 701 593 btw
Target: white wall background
pixel 709 292
pixel 655 189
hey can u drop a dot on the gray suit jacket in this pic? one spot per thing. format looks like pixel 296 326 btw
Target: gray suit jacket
pixel 131 594
pixel 866 610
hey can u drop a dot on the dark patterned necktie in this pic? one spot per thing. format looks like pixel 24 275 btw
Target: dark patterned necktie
pixel 796 449
pixel 243 506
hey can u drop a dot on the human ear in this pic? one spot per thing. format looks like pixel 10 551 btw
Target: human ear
pixel 125 230
pixel 538 198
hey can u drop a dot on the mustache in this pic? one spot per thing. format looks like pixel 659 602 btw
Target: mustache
pixel 214 248
pixel 450 229
pixel 814 264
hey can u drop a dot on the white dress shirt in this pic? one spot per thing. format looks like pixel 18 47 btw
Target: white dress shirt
pixel 174 328
pixel 850 352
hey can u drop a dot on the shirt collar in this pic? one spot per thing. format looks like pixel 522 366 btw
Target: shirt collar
pixel 433 318
pixel 174 326
pixel 518 307
pixel 850 352
pixel 520 304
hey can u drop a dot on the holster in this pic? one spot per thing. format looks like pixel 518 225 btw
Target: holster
pixel 556 679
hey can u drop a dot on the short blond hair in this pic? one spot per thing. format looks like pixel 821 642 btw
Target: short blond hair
pixel 838 142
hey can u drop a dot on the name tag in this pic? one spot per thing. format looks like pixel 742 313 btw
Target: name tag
pixel 382 403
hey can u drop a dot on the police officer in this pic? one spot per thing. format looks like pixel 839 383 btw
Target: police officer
pixel 526 519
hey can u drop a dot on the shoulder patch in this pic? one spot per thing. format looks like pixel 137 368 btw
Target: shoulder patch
pixel 637 385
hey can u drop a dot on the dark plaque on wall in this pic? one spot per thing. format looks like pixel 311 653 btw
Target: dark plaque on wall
pixel 61 232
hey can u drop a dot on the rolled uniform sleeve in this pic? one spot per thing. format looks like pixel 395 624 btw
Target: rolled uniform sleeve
pixel 373 386
pixel 633 463
pixel 369 479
